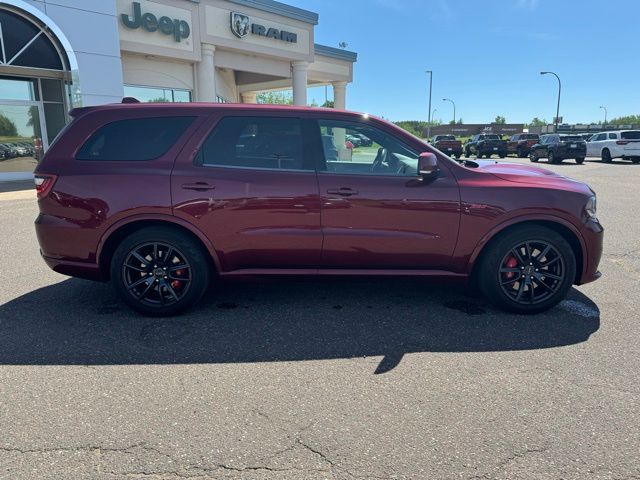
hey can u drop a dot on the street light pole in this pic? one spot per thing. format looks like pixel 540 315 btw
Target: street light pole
pixel 559 91
pixel 454 108
pixel 605 115
pixel 430 72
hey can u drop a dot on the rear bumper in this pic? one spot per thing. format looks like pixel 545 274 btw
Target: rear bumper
pixel 87 271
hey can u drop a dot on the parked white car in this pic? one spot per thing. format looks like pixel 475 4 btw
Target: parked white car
pixel 623 144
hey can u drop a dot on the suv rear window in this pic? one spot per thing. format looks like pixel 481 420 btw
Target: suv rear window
pixel 571 138
pixel 634 135
pixel 134 139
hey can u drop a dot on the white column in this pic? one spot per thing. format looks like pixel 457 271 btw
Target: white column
pixel 299 80
pixel 339 95
pixel 206 72
pixel 249 97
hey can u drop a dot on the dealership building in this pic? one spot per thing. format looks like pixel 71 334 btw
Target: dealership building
pixel 56 55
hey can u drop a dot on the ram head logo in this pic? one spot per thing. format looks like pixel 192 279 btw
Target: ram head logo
pixel 240 24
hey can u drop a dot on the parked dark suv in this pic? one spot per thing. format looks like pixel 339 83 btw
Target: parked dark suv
pixel 485 144
pixel 556 148
pixel 161 198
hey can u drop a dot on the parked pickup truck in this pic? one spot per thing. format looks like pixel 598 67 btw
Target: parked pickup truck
pixel 448 144
pixel 485 144
pixel 521 144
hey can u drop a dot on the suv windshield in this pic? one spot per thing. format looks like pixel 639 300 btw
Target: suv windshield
pixel 633 135
pixel 489 137
pixel 529 136
pixel 571 138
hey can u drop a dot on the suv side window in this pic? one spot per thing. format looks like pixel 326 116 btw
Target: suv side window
pixel 134 139
pixel 385 155
pixel 599 137
pixel 255 142
pixel 613 136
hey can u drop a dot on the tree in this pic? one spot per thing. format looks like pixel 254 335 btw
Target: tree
pixel 500 120
pixel 7 127
pixel 415 127
pixel 159 100
pixel 328 104
pixel 626 120
pixel 536 122
pixel 275 98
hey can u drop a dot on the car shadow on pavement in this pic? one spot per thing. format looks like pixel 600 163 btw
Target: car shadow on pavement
pixel 76 322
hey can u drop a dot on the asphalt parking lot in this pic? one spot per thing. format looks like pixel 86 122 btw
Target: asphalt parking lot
pixel 322 379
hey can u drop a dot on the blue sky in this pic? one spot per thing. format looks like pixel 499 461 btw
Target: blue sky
pixel 486 56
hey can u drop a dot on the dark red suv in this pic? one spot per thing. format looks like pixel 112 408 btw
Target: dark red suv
pixel 161 198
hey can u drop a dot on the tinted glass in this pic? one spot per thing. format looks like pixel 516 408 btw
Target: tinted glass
pixel 382 154
pixel 634 135
pixel 613 136
pixel 571 138
pixel 135 139
pixel 529 136
pixel 255 142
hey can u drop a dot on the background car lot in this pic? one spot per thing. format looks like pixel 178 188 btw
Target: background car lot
pixel 322 378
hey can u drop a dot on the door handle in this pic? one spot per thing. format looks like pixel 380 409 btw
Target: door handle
pixel 343 191
pixel 198 186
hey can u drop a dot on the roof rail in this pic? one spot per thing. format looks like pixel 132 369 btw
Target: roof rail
pixel 130 100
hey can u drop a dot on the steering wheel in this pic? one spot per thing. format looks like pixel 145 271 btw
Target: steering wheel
pixel 381 158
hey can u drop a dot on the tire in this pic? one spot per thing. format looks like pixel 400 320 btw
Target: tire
pixel 507 289
pixel 552 158
pixel 635 160
pixel 606 156
pixel 171 289
pixel 580 160
pixel 467 154
pixel 520 153
pixel 502 155
pixel 533 157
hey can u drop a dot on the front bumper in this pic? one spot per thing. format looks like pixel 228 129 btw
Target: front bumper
pixel 593 235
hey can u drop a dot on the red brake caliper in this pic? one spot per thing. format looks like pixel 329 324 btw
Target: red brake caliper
pixel 511 263
pixel 177 284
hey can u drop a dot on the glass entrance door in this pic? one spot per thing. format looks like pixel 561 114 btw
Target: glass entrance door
pixel 20 136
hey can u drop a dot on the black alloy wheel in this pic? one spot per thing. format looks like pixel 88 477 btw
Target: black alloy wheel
pixel 606 156
pixel 526 269
pixel 160 271
pixel 156 274
pixel 531 272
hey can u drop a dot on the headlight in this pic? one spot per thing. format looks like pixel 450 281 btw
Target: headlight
pixel 590 208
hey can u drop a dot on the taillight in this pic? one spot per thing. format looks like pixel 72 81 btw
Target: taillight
pixel 44 184
pixel 622 142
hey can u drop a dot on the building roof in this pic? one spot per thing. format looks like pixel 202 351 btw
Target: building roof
pixel 335 52
pixel 279 8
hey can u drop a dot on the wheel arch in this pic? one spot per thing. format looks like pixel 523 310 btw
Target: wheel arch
pixel 120 230
pixel 565 229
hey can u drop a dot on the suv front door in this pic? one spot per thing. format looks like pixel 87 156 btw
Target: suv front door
pixel 377 213
pixel 250 186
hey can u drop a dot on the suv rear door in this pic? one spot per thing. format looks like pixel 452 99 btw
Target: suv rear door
pixel 249 184
pixel 376 212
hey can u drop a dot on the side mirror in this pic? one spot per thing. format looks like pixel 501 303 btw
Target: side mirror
pixel 428 165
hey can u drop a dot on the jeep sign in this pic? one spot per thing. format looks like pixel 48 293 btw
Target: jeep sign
pixel 178 29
